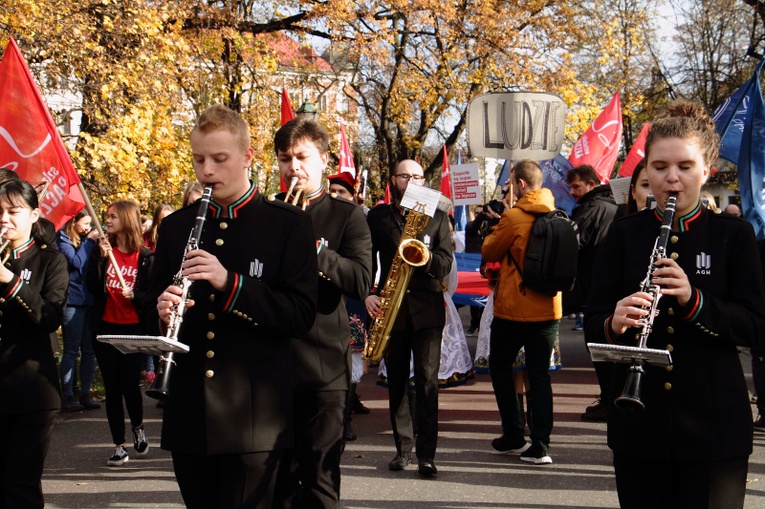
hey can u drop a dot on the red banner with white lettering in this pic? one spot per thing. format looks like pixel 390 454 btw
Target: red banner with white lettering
pixel 30 143
pixel 599 145
pixel 637 153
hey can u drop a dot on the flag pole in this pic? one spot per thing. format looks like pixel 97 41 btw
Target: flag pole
pixel 94 217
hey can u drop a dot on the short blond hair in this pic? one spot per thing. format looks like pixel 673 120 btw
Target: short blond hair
pixel 218 116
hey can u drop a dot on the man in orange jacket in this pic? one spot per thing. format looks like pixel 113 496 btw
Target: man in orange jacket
pixel 522 317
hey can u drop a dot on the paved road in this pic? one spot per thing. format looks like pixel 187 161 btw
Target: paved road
pixel 470 476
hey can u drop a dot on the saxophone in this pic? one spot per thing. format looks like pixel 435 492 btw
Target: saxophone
pixel 411 253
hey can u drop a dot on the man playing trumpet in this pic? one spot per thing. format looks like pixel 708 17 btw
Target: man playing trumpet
pixel 321 358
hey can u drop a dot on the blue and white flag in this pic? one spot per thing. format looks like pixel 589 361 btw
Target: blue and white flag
pixel 731 116
pixel 751 157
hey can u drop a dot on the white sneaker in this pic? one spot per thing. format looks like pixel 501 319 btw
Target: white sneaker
pixel 120 456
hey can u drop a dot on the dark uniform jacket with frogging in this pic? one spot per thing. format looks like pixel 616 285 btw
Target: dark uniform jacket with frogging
pixel 232 392
pixel 699 409
pixel 31 307
pixel 423 304
pixel 322 357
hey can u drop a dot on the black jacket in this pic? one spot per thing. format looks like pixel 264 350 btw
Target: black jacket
pixel 593 215
pixel 699 410
pixel 322 357
pixel 232 392
pixel 31 308
pixel 423 304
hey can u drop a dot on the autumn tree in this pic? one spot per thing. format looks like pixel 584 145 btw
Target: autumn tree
pixel 713 40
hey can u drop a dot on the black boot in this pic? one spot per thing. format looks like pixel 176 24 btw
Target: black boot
pixel 356 405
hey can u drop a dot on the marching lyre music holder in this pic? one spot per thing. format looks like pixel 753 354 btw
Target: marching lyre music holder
pixel 155 345
pixel 628 354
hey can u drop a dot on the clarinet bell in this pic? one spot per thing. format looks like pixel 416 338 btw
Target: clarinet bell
pixel 630 401
pixel 161 388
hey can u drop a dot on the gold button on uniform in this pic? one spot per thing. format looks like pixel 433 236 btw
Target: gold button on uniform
pixel 218 242
pixel 667 386
pixel 670 348
pixel 210 354
pixel 209 373
pixel 670 330
pixel 211 316
pixel 223 225
pixel 673 239
pixel 210 335
pixel 671 311
pixel 674 256
pixel 669 368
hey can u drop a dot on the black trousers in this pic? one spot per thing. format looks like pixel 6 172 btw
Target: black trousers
pixel 538 338
pixel 227 481
pixel 310 473
pixel 655 484
pixel 24 442
pixel 121 374
pixel 425 346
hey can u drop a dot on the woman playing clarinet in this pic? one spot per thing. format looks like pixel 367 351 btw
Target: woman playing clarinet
pixel 33 289
pixel 689 446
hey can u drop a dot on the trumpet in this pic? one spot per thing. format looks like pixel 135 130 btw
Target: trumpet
pixel 294 199
pixel 5 251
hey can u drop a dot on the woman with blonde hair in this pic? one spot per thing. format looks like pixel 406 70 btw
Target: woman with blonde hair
pixel 118 310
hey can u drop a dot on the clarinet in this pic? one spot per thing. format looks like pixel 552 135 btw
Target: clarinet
pixel 161 388
pixel 630 398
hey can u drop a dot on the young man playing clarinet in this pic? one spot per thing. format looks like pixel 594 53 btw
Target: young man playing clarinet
pixel 321 358
pixel 228 418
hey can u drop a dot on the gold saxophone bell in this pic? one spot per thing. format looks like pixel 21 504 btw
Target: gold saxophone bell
pixel 293 199
pixel 5 251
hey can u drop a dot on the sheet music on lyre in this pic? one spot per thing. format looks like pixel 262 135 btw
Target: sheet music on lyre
pixel 626 354
pixel 143 344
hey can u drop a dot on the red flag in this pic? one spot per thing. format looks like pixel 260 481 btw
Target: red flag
pixel 287 114
pixel 346 156
pixel 637 153
pixel 30 143
pixel 446 180
pixel 599 145
pixel 287 111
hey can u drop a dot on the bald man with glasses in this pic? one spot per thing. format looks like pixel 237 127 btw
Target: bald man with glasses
pixel 419 324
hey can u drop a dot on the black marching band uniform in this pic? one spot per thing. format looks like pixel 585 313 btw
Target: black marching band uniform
pixel 321 358
pixel 231 394
pixel 698 409
pixel 31 308
pixel 418 326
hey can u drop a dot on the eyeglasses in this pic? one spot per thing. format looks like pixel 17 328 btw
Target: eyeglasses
pixel 404 176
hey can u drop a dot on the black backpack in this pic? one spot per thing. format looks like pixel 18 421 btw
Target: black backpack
pixel 551 255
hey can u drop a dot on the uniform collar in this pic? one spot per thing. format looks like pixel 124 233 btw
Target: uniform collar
pixel 20 251
pixel 688 220
pixel 234 208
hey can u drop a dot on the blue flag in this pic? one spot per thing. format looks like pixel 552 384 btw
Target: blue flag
pixel 731 116
pixel 751 158
pixel 555 180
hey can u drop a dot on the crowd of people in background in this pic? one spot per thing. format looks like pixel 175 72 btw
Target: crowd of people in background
pixel 284 321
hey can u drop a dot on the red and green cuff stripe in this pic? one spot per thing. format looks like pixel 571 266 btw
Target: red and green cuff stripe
pixel 694 306
pixel 236 289
pixel 14 290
